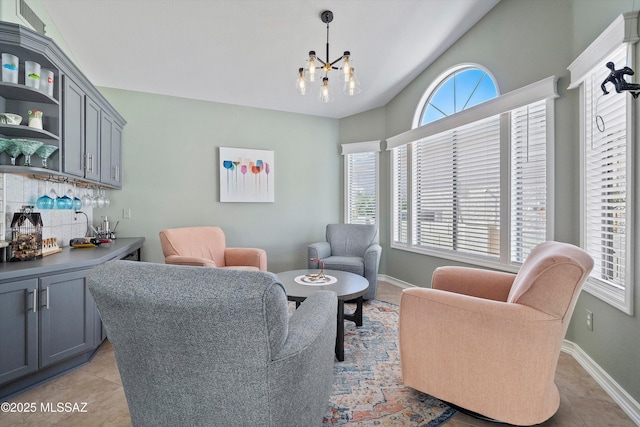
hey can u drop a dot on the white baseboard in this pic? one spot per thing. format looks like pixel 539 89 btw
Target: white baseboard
pixel 619 395
pixel 395 282
pixel 628 404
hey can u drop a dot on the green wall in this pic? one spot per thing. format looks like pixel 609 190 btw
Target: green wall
pixel 521 42
pixel 171 174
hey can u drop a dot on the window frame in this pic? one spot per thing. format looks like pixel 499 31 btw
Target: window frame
pixel 357 148
pixel 543 90
pixel 622 32
pixel 435 85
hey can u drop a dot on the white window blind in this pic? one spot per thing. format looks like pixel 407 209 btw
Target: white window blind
pixel 399 194
pixel 605 177
pixel 528 179
pixel 456 189
pixel 477 188
pixel 361 171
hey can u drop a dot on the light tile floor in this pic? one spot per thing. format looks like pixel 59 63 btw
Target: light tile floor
pixel 98 384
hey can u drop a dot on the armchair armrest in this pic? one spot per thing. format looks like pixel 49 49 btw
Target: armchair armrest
pixel 316 317
pixel 189 260
pixel 372 257
pixel 301 373
pixel 318 250
pixel 253 257
pixel 493 285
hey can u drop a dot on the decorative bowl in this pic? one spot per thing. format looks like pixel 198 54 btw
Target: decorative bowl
pixel 10 119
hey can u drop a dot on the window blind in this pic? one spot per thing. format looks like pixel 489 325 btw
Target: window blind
pixel 605 170
pixel 399 194
pixel 457 189
pixel 361 188
pixel 528 179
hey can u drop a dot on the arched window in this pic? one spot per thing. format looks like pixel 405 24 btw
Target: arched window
pixel 456 90
pixel 471 184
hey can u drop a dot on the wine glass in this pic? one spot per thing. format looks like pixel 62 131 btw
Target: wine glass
pixel 27 147
pixel 66 201
pixel 13 151
pixel 77 202
pixel 45 202
pixel 87 200
pixel 53 195
pixel 44 152
pixel 101 200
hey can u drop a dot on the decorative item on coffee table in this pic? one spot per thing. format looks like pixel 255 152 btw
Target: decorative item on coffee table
pixel 320 275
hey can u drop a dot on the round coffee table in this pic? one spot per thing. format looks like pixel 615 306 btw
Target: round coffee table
pixel 348 286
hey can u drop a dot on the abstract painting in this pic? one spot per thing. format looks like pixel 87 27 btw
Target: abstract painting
pixel 246 175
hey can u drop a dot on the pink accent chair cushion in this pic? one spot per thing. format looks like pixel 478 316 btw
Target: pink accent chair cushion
pixel 489 341
pixel 206 246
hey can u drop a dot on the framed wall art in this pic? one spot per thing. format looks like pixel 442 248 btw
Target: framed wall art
pixel 246 175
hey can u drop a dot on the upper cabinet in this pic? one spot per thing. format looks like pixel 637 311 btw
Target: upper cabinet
pixel 77 120
pixel 110 150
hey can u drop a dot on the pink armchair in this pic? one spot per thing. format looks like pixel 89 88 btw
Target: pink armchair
pixel 206 247
pixel 489 341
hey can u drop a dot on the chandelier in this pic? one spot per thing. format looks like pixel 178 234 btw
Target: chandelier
pixel 316 69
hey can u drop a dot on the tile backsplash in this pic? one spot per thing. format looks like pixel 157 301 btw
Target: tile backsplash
pixel 64 224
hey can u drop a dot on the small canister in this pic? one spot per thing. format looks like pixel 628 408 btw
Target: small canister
pixel 35 119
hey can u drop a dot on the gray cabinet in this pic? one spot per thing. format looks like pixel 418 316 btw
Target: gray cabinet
pixel 19 329
pixel 91 139
pixel 73 116
pixel 49 322
pixel 73 136
pixel 67 316
pixel 110 151
pixel 44 321
pixel 81 133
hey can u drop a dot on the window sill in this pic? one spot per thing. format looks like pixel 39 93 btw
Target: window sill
pixel 474 261
pixel 612 296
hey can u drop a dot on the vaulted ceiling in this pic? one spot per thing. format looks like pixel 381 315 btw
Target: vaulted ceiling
pixel 247 52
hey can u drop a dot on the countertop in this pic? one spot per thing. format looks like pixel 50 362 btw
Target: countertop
pixel 70 259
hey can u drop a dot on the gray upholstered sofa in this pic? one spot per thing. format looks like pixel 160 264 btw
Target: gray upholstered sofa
pixel 350 247
pixel 206 346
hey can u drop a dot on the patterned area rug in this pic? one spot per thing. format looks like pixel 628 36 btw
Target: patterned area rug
pixel 368 387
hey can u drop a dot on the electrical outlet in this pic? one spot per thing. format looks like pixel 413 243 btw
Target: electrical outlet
pixel 589 320
pixel 126 213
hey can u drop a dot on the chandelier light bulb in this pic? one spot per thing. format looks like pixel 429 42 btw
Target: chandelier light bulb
pixel 325 94
pixel 352 85
pixel 301 84
pixel 311 70
pixel 346 65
